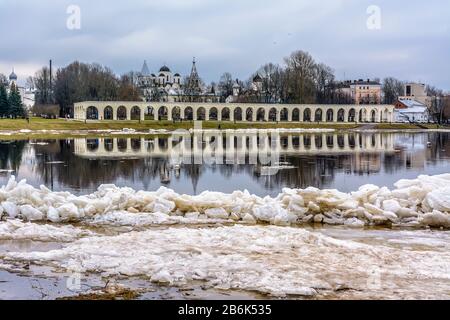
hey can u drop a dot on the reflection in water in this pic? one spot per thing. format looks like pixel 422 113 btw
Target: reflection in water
pixel 11 155
pixel 209 162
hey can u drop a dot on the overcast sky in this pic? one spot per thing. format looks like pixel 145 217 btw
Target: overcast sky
pixel 231 35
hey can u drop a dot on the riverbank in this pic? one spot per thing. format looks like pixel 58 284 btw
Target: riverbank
pixel 62 124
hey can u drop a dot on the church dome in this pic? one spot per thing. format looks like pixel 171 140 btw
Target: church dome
pixel 164 69
pixel 177 75
pixel 12 76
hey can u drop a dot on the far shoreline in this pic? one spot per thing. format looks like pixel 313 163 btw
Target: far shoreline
pixel 38 128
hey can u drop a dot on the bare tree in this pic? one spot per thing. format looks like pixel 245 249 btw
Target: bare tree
pixel 324 78
pixel 273 82
pixel 81 82
pixel 437 102
pixel 3 80
pixel 128 89
pixel 29 84
pixel 300 72
pixel 392 89
pixel 41 81
pixel 446 108
pixel 226 85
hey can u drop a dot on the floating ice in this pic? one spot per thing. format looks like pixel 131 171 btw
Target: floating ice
pixel 424 201
pixel 267 259
pixel 39 143
pixel 17 230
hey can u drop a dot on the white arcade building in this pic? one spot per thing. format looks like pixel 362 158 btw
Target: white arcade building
pixel 247 112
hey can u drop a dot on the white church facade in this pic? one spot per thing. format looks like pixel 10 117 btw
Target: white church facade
pixel 27 94
pixel 166 86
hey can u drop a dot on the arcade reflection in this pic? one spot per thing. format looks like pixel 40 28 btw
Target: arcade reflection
pixel 192 164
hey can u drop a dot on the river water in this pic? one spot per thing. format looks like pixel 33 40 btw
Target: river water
pixel 216 259
pixel 326 160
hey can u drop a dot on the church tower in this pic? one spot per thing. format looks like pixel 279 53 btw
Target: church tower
pixel 12 78
pixel 194 83
pixel 145 71
pixel 236 88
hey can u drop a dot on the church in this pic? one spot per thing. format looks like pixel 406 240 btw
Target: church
pixel 168 87
pixel 27 94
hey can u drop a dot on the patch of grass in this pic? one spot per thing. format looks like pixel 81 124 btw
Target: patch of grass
pixel 123 295
pixel 70 126
pixel 62 124
pixel 407 126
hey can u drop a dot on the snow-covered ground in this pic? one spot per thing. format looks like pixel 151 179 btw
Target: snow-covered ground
pixel 283 246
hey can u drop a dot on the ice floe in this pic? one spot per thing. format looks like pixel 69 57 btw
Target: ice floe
pixel 6 170
pixel 266 259
pixel 424 201
pixel 18 230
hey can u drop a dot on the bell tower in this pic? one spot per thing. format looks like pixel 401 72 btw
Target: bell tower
pixel 193 86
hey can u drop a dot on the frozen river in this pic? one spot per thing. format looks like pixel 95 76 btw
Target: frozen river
pixel 203 236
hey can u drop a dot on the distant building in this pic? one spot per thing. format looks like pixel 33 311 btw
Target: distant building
pixel 417 92
pixel 365 92
pixel 257 83
pixel 169 87
pixel 360 91
pixel 28 95
pixel 159 87
pixel 408 110
pixel 254 94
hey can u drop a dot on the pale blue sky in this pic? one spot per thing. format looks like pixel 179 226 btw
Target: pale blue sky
pixel 229 35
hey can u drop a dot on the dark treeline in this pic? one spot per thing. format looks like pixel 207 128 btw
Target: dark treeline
pixel 80 82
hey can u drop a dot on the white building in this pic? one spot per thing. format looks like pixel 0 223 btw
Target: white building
pixel 28 95
pixel 169 87
pixel 162 85
pixel 362 91
pixel 417 92
pixel 408 110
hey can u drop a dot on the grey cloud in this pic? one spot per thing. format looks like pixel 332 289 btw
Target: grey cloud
pixel 235 36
